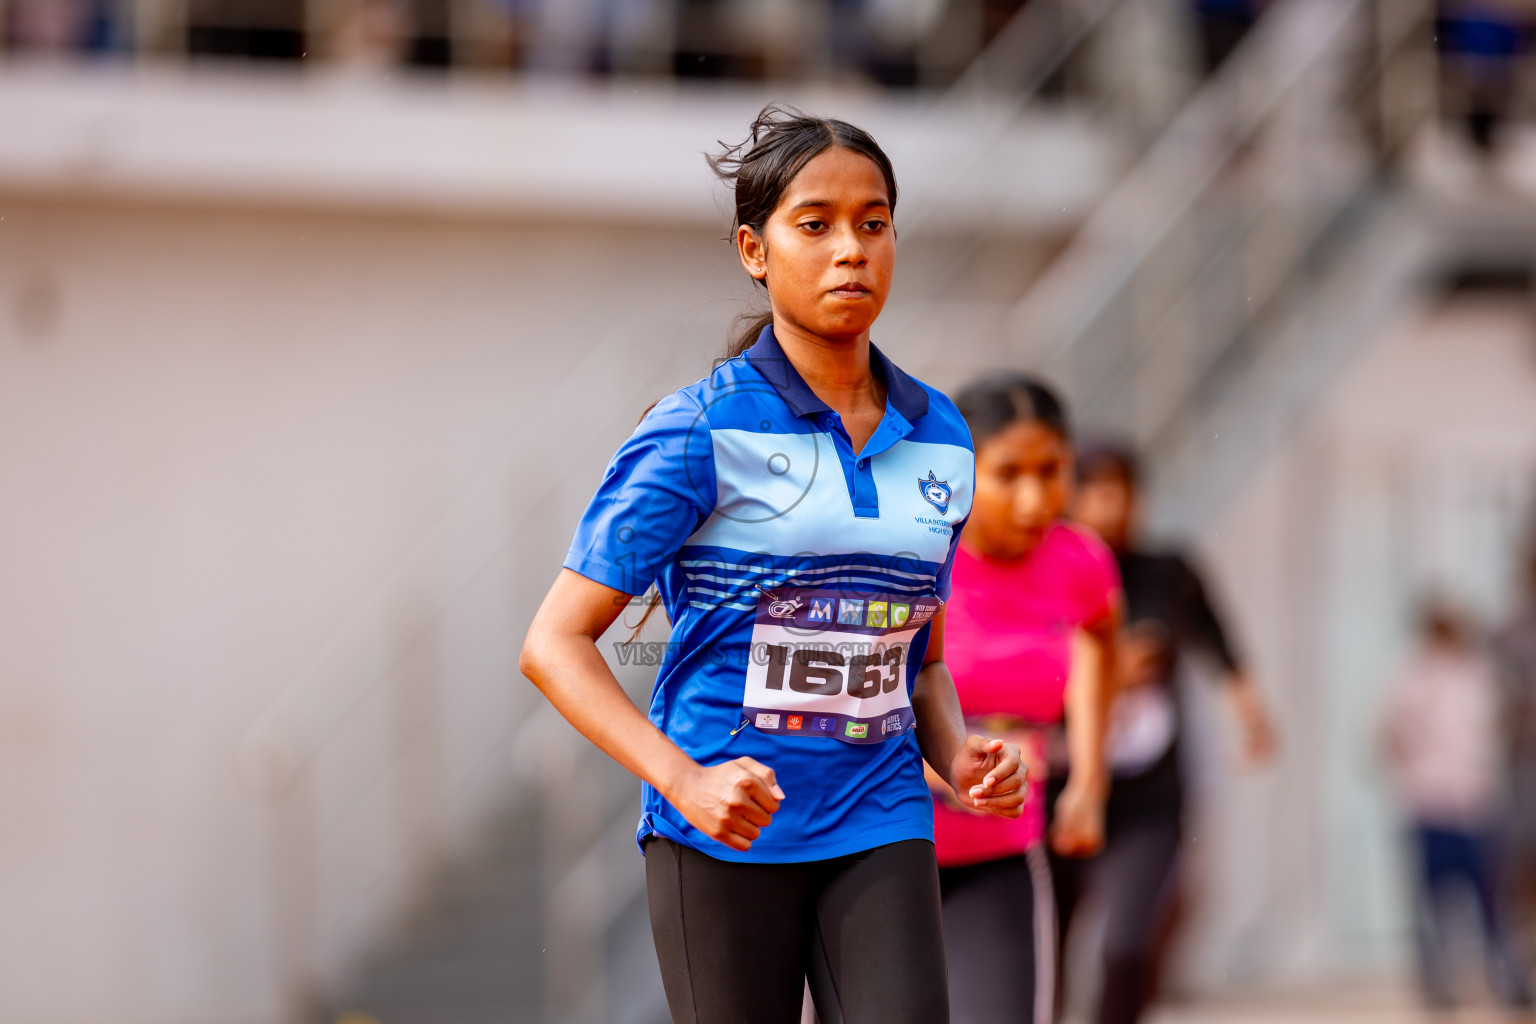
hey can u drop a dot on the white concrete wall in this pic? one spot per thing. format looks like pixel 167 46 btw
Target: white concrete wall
pixel 300 472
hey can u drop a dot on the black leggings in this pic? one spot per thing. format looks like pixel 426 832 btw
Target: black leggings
pixel 1134 879
pixel 739 942
pixel 1000 931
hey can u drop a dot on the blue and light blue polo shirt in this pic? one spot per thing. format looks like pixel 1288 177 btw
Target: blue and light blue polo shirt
pixel 800 577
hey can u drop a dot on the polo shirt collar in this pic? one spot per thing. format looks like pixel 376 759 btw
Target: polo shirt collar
pixel 905 395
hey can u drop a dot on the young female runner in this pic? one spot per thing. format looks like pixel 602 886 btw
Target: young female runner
pixel 1030 635
pixel 797 510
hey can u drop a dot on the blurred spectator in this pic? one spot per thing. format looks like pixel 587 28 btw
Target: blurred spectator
pixel 703 47
pixel 510 30
pixel 1224 24
pixel 369 33
pixel 1443 747
pixel 890 43
pixel 47 26
pixel 1480 40
pixel 1515 647
pixel 259 29
pixel 1168 617
pixel 430 43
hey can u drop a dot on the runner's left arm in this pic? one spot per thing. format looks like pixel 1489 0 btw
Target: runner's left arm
pixel 1078 826
pixel 986 774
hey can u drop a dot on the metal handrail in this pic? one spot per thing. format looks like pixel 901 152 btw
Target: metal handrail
pixel 1053 322
pixel 1168 180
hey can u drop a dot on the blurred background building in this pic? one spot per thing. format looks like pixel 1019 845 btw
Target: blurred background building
pixel 319 320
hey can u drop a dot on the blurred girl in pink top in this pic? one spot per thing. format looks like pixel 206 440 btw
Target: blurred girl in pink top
pixel 1029 637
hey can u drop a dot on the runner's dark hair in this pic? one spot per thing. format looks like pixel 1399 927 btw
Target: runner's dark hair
pixel 759 169
pixel 1108 460
pixel 993 404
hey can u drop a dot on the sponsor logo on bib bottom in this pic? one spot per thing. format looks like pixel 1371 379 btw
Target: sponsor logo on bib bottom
pixel 767 721
pixel 892 723
pixel 877 614
pixel 824 725
pixel 821 610
pixel 794 722
pixel 850 612
pixel 900 613
pixel 858 730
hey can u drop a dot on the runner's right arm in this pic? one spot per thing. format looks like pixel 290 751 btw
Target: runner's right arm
pixel 731 803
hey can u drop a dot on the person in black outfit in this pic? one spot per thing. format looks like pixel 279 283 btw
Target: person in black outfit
pixel 1167 616
pixel 1224 24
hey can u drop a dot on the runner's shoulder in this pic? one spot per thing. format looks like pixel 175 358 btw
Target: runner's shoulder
pixel 1080 542
pixel 943 422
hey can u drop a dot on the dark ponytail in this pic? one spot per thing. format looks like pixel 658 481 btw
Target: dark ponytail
pixel 993 404
pixel 744 331
pixel 760 168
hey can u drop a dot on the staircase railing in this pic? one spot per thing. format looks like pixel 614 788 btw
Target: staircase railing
pixel 1197 250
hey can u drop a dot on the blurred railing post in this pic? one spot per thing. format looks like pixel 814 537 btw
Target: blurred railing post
pixel 1406 92
pixel 278 778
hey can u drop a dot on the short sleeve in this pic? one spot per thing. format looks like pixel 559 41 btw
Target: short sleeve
pixel 658 488
pixel 1204 625
pixel 941 584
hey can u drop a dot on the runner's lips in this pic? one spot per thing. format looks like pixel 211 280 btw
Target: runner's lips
pixel 850 288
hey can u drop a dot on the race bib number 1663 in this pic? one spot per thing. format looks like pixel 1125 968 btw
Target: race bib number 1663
pixel 835 665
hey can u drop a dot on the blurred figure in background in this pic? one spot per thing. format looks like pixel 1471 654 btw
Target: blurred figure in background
pixel 1480 40
pixel 1167 615
pixel 1441 738
pixel 253 29
pixel 369 34
pixel 62 26
pixel 1224 24
pixel 1030 637
pixel 1515 648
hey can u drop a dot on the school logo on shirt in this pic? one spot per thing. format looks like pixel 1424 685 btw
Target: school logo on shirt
pixel 767 721
pixel 821 610
pixel 858 730
pixel 877 614
pixel 935 492
pixel 900 613
pixel 850 612
pixel 784 609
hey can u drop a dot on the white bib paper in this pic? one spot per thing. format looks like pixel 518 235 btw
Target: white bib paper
pixel 831 664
